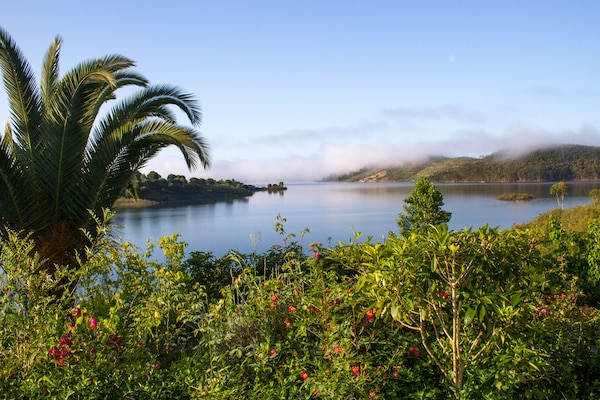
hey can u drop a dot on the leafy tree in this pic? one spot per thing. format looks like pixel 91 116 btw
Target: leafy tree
pixel 560 190
pixel 62 161
pixel 423 208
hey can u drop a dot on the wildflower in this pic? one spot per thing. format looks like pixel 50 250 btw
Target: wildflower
pixel 371 314
pixel 76 312
pixel 291 308
pixel 303 375
pixel 114 340
pixel 65 340
pixel 444 294
pixel 61 363
pixel 287 323
pixel 58 352
pixel 337 349
pixel 593 350
pixel 543 311
pixel 273 299
pixel 355 370
pixel 93 323
pixel 415 351
pixel 71 326
pixel 372 394
pixel 395 373
pixel 271 306
pixel 273 352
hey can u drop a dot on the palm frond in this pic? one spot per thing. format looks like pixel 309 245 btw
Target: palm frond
pixel 21 88
pixel 49 79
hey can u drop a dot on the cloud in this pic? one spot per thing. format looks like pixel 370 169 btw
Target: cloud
pixel 392 137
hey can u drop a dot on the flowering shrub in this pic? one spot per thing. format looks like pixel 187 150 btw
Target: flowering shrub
pixel 438 314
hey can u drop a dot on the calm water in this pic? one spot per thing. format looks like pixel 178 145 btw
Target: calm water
pixel 332 212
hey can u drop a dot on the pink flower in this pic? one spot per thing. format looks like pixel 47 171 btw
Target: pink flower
pixel 355 370
pixel 543 311
pixel 93 323
pixel 273 352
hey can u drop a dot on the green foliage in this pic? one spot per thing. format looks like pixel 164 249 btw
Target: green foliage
pixel 423 209
pixel 435 314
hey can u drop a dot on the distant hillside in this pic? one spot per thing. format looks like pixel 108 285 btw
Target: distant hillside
pixel 551 164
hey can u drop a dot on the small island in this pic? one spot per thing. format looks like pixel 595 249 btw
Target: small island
pixel 153 189
pixel 515 197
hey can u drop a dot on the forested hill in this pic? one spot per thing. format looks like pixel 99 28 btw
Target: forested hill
pixel 552 164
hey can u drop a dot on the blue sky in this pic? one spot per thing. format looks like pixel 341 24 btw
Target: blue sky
pixel 297 90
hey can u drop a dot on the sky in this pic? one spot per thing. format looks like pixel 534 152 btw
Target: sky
pixel 295 91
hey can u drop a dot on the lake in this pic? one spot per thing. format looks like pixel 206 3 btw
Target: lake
pixel 331 212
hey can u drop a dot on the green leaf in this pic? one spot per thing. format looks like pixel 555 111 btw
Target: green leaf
pixel 481 314
pixel 469 315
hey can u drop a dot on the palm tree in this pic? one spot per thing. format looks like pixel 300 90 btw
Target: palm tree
pixel 71 149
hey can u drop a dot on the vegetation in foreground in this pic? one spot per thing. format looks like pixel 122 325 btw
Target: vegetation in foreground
pixel 433 313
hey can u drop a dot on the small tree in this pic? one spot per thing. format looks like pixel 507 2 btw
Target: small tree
pixel 423 208
pixel 560 190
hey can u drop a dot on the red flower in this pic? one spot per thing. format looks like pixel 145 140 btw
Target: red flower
pixel 371 314
pixel 415 351
pixel 76 312
pixel 65 341
pixel 58 352
pixel 273 352
pixel 291 308
pixel 444 294
pixel 287 323
pixel 303 375
pixel 93 323
pixel 355 370
pixel 114 340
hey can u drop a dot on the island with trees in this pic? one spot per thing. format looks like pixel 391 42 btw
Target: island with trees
pixel 153 189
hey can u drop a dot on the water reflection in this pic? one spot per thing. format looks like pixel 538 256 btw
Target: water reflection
pixel 332 212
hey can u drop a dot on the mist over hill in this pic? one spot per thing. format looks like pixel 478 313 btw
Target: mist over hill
pixel 549 164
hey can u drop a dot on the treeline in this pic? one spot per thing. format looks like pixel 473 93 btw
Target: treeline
pixel 552 164
pixel 176 188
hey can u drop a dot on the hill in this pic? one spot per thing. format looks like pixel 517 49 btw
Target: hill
pixel 550 164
